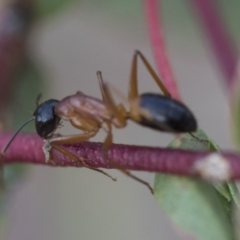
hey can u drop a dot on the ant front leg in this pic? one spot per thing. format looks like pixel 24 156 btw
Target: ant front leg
pixel 82 160
pixel 48 147
pixel 56 142
pixel 133 83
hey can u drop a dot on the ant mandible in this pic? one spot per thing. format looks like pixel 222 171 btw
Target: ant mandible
pixel 89 114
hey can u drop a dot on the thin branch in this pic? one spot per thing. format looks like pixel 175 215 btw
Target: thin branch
pixel 158 47
pixel 27 148
pixel 220 40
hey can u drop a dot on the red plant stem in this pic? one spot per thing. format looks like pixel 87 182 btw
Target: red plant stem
pixel 158 47
pixel 27 148
pixel 221 42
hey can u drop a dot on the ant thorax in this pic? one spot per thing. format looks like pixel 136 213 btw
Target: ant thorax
pixel 82 106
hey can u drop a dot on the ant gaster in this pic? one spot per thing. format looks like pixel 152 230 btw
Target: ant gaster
pixel 89 114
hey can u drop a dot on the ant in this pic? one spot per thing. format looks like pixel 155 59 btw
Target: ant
pixel 89 114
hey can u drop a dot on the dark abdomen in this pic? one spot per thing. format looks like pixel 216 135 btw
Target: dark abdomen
pixel 166 114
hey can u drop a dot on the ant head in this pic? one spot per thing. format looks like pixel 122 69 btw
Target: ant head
pixel 46 121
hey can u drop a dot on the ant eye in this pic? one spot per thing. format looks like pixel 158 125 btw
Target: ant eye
pixel 46 121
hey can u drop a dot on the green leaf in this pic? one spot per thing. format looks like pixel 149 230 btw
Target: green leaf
pixel 193 204
pixel 236 220
pixel 228 190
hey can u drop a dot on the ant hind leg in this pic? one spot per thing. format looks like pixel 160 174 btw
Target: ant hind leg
pixel 107 143
pixel 133 85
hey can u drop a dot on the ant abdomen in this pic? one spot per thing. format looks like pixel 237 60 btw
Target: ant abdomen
pixel 166 114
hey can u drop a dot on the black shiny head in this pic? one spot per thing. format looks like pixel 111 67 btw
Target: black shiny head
pixel 46 121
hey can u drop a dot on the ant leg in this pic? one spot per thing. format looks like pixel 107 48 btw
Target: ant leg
pixel 129 174
pixel 107 143
pixel 133 86
pixel 103 85
pixel 100 81
pixel 71 139
pixel 54 143
pixel 82 160
pixel 197 138
pixel 109 139
pixel 153 74
pixel 119 111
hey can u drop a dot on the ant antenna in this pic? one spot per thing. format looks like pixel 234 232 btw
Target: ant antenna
pixel 4 149
pixel 38 100
pixel 12 138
